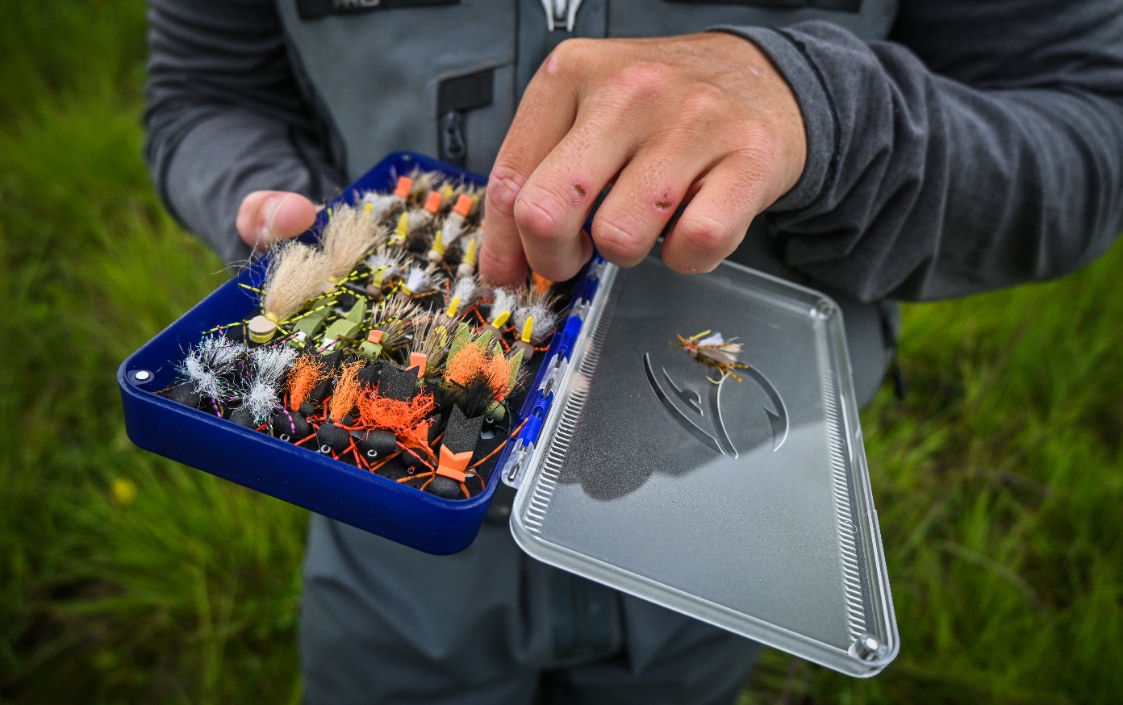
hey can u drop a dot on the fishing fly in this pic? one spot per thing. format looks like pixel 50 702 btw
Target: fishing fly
pixel 714 351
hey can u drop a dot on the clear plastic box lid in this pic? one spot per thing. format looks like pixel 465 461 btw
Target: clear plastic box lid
pixel 739 496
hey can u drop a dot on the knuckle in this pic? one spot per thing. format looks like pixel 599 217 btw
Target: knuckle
pixel 618 238
pixel 574 47
pixel 538 216
pixel 638 83
pixel 763 146
pixel 705 235
pixel 503 189
pixel 570 59
pixel 704 103
pixel 754 143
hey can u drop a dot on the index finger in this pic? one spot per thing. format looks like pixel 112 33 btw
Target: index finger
pixel 545 115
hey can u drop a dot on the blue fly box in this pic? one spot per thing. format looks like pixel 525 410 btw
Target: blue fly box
pixel 298 475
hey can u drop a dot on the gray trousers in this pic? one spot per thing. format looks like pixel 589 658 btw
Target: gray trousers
pixel 383 623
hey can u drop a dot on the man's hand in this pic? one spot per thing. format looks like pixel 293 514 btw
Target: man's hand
pixel 267 217
pixel 700 121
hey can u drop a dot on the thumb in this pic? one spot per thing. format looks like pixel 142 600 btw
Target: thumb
pixel 267 217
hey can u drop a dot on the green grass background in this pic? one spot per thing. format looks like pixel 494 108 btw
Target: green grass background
pixel 126 578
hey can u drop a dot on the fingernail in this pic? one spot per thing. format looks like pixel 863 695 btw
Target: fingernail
pixel 265 234
pixel 504 189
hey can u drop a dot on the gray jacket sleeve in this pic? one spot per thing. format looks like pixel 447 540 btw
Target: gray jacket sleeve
pixel 225 117
pixel 981 147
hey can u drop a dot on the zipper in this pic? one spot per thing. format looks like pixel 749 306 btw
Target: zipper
pixel 456 97
pixel 560 12
pixel 453 147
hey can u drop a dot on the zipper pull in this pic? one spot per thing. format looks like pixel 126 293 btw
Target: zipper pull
pixel 559 11
pixel 453 149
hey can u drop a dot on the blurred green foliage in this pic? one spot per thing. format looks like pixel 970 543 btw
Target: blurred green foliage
pixel 123 577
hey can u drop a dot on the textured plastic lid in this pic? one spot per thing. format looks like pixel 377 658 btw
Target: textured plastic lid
pixel 746 503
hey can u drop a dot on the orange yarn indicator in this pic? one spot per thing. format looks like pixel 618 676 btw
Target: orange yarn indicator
pixel 404 187
pixel 433 202
pixel 463 207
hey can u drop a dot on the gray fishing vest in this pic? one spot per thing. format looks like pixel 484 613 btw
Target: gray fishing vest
pixel 443 78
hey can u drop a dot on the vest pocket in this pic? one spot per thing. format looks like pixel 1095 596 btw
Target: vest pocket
pixel 427 79
pixel 457 96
